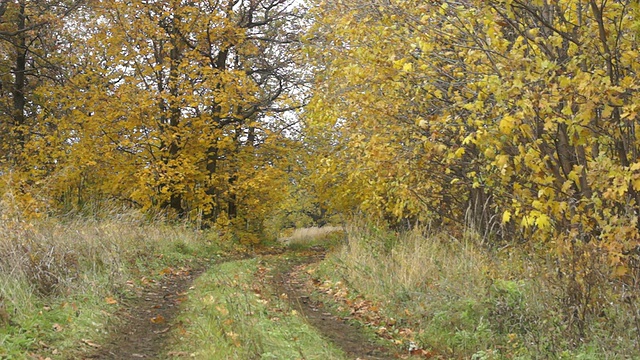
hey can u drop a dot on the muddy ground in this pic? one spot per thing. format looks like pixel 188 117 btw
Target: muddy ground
pixel 150 316
pixel 335 329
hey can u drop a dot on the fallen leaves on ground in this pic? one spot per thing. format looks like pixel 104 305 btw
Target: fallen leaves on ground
pixel 181 271
pixel 110 300
pixel 366 312
pixel 159 319
pixel 162 331
pixel 166 271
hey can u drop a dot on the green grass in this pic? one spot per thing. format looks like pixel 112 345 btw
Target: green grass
pixel 55 328
pixel 57 274
pixel 232 314
pixel 465 301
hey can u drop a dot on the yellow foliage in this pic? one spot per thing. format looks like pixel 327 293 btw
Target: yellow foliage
pixel 169 107
pixel 524 118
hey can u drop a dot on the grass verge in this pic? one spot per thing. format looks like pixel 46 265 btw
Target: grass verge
pixel 452 299
pixel 61 280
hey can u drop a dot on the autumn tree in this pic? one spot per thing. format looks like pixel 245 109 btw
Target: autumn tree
pixel 514 118
pixel 179 105
pixel 31 57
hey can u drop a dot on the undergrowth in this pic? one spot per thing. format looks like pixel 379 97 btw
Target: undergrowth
pixel 61 278
pixel 463 300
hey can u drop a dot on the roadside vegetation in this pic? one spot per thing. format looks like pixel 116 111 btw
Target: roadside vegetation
pixel 510 128
pixel 490 147
pixel 454 299
pixel 62 280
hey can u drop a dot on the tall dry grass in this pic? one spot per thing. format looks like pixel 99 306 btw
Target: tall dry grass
pixel 55 257
pixel 468 301
pixel 410 272
pixel 308 234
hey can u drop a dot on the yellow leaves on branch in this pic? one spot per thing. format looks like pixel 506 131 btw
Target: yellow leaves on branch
pixel 491 114
pixel 169 105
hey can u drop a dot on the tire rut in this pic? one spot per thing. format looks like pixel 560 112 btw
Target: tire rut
pixel 345 336
pixel 149 319
pixel 151 315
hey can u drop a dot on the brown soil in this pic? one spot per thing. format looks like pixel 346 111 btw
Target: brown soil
pixel 149 318
pixel 338 331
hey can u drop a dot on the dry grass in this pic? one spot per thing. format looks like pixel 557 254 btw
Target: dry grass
pixel 467 301
pixel 412 262
pixel 53 255
pixel 49 263
pixel 305 235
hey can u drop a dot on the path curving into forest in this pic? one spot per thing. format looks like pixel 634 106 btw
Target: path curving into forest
pixel 150 316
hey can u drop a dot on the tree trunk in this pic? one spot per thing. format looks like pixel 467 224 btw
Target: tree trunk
pixel 19 71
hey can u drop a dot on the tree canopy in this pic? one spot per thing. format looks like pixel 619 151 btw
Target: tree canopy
pixel 514 118
pixel 175 106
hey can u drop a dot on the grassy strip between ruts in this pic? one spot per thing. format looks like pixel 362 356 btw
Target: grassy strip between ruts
pixel 232 314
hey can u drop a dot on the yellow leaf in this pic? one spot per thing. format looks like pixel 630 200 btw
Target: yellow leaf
pixel 636 184
pixel 110 300
pixel 501 160
pixel 543 221
pixel 490 153
pixel 506 216
pixel 507 123
pixel 620 271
